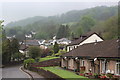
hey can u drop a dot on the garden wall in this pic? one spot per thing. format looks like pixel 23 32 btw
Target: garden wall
pixel 52 62
pixel 47 74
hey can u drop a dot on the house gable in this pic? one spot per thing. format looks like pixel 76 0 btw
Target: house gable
pixel 91 38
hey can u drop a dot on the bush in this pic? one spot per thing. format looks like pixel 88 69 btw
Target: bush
pixel 65 68
pixel 109 75
pixel 48 56
pixel 35 52
pixel 17 56
pixel 37 59
pixel 27 62
pixel 96 75
pixel 61 52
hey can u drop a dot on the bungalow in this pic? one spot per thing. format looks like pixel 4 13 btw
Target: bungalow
pixel 63 41
pixel 41 42
pixel 98 57
pixel 87 38
pixel 31 42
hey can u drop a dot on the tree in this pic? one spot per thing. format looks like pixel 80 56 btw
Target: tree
pixel 17 56
pixel 87 22
pixel 6 51
pixel 60 32
pixel 1 41
pixel 111 28
pixel 72 35
pixel 1 21
pixel 67 31
pixel 35 52
pixel 14 46
pixel 56 47
pixel 79 31
pixel 63 31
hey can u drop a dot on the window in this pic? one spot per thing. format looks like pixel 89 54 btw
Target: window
pixel 74 47
pixel 104 66
pixel 83 63
pixel 69 48
pixel 118 68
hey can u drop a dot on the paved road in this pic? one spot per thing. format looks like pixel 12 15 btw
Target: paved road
pixel 0 73
pixel 13 72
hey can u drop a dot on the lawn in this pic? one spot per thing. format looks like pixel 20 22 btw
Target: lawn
pixel 64 73
pixel 47 58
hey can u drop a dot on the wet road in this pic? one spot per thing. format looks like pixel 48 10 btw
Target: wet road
pixel 0 73
pixel 13 72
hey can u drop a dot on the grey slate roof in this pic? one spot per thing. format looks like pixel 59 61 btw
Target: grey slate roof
pixel 107 48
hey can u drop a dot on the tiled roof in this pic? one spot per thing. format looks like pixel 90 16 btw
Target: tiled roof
pixel 84 37
pixel 32 42
pixel 108 48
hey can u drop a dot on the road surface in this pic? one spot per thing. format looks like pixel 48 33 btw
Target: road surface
pixel 0 73
pixel 13 72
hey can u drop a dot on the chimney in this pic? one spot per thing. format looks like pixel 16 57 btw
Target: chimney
pixel 81 37
pixel 95 42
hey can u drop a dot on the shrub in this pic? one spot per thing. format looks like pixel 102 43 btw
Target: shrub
pixel 48 56
pixel 61 52
pixel 104 76
pixel 82 72
pixel 17 56
pixel 96 75
pixel 35 52
pixel 109 75
pixel 64 67
pixel 27 62
pixel 37 59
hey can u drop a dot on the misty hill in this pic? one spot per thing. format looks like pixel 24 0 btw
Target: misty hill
pixel 26 21
pixel 99 13
pixel 47 27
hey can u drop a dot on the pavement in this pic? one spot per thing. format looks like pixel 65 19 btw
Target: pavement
pixel 34 74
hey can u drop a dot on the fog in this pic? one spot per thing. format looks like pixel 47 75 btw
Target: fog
pixel 14 11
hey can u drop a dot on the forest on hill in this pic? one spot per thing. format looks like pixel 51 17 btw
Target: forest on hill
pixel 74 23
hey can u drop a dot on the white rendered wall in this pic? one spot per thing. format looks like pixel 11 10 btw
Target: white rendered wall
pixel 91 39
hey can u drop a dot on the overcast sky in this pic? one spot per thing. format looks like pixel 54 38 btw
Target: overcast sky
pixel 14 11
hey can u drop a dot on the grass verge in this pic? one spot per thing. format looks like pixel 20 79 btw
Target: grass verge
pixel 64 73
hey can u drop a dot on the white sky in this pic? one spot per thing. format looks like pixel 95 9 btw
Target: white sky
pixel 13 10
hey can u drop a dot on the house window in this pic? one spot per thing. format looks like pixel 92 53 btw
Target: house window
pixel 104 66
pixel 118 68
pixel 74 47
pixel 83 63
pixel 69 48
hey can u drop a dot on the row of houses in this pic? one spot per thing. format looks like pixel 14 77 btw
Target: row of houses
pixel 92 54
pixel 43 44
